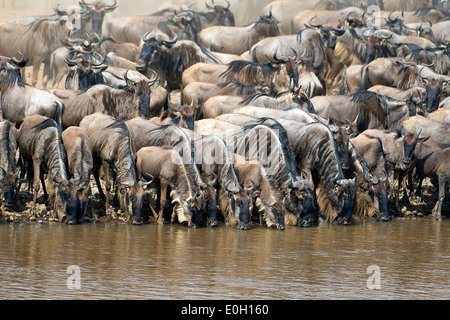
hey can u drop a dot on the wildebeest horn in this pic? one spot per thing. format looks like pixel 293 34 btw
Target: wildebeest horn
pixel 294 57
pixel 278 60
pixel 171 41
pixel 111 6
pixel 348 15
pixel 228 4
pixel 314 25
pixel 213 182
pixel 389 16
pixel 154 78
pixel 339 28
pixel 144 38
pixel 16 61
pixel 252 187
pixel 380 36
pixel 60 12
pixel 208 6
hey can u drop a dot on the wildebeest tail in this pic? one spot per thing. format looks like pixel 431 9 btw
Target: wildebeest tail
pixel 58 114
pixel 364 79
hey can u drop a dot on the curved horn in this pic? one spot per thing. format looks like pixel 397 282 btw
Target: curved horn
pixel 228 4
pixel 389 16
pixel 278 60
pixel 171 41
pixel 112 6
pixel 154 78
pixel 60 12
pixel 144 38
pixel 380 36
pixel 295 54
pixel 252 187
pixel 86 4
pixel 338 29
pixel 314 25
pixel 348 15
pixel 16 61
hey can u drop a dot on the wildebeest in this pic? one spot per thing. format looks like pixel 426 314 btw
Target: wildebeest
pixel 146 133
pixel 270 147
pixel 367 109
pixel 215 160
pixel 165 165
pixel 36 41
pixel 112 149
pixel 169 57
pixel 389 72
pixel 398 148
pixel 316 152
pixel 121 103
pixel 9 170
pixel 433 160
pixel 427 128
pixel 20 100
pixel 42 152
pixel 198 93
pixel 252 174
pixel 237 40
pixel 376 192
pixel 95 15
pixel 80 163
pixel 441 115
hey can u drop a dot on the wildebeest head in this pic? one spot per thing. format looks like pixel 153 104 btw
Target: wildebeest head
pixel 142 92
pixel 187 116
pixel 377 44
pixel 239 206
pixel 86 69
pixel 133 200
pixel 66 204
pixel 152 49
pixel 395 24
pixel 409 141
pixel 12 64
pixel 223 15
pixel 328 34
pixel 353 22
pixel 301 200
pixel 342 140
pixel 96 13
pixel 434 89
pixel 345 190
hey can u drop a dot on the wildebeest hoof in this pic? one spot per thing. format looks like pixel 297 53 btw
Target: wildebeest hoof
pixel 244 226
pixel 136 222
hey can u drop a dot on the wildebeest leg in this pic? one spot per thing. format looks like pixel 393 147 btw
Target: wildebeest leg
pixel 162 202
pixel 105 167
pixel 418 192
pixel 36 186
pixel 44 189
pixel 96 173
pixel 45 75
pixel 436 212
pixel 36 67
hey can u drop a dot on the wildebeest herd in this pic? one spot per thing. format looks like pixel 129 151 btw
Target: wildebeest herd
pixel 316 112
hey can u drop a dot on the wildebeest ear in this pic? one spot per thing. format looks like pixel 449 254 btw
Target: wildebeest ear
pixel 423 139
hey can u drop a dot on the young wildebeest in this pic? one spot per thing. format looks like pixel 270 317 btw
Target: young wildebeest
pixel 165 164
pixel 252 174
pixel 8 169
pixel 112 148
pixel 42 152
pixel 79 164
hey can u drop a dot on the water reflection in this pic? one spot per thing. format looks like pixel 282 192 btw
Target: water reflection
pixel 174 262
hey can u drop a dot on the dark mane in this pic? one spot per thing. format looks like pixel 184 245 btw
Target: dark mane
pixel 243 89
pixel 11 78
pixel 362 96
pixel 249 70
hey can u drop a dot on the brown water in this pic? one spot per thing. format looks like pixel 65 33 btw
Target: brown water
pixel 174 262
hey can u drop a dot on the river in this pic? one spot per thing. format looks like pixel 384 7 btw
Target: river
pixel 401 259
